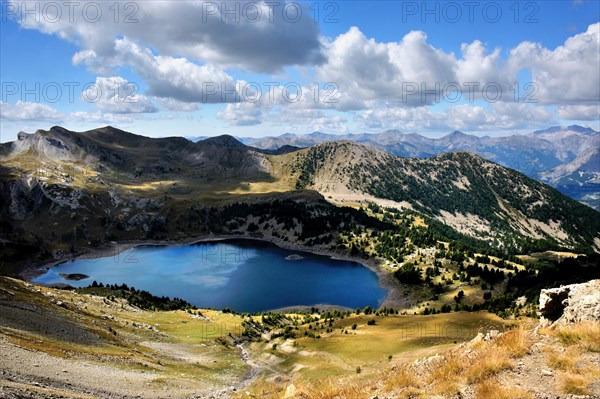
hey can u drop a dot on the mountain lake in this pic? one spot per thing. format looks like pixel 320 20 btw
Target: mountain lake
pixel 242 275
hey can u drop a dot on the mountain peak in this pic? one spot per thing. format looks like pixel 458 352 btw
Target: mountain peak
pixel 224 140
pixel 552 129
pixel 572 128
pixel 58 129
pixel 320 136
pixel 463 156
pixel 457 135
pixel 581 129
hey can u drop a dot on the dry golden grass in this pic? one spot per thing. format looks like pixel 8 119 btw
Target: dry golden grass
pixel 515 343
pixel 402 382
pixel 330 388
pixel 445 375
pixel 488 359
pixel 575 384
pixel 490 362
pixel 565 361
pixel 262 389
pixel 497 356
pixel 586 335
pixel 478 366
pixel 577 374
pixel 401 378
pixel 492 390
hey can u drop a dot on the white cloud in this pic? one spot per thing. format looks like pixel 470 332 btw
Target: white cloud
pixel 404 72
pixel 184 52
pixel 250 35
pixel 568 74
pixel 241 114
pixel 117 96
pixel 303 120
pixel 27 111
pixel 169 77
pixel 289 116
pixel 477 66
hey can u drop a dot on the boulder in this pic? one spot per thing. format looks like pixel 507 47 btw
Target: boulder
pixel 570 303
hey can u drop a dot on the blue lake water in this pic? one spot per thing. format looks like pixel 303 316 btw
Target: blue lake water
pixel 243 275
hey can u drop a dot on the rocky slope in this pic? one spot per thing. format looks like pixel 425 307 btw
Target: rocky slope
pixel 56 343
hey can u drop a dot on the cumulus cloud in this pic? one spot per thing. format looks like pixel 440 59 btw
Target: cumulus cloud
pixel 410 72
pixel 251 35
pixel 298 115
pixel 477 66
pixel 27 111
pixel 568 74
pixel 310 120
pixel 188 52
pixel 168 77
pixel 117 96
pixel 241 114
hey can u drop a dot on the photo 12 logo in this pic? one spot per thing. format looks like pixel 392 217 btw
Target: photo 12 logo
pixel 470 11
pixel 269 92
pixel 54 92
pixel 454 92
pixel 212 331
pixel 269 11
pixel 128 12
pixel 53 12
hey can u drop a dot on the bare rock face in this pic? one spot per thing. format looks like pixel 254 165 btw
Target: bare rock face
pixel 570 303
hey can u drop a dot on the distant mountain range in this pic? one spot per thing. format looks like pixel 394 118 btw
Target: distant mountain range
pixel 567 158
pixel 61 188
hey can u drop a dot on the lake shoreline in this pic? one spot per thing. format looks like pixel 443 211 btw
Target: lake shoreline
pixel 386 280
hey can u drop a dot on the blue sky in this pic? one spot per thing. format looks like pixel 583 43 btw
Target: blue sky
pixel 250 68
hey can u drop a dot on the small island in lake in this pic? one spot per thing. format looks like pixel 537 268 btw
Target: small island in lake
pixel 294 257
pixel 74 276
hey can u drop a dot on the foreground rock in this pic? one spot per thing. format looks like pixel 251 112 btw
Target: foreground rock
pixel 570 303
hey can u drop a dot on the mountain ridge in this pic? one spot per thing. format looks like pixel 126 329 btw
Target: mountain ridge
pixel 455 188
pixel 111 185
pixel 536 154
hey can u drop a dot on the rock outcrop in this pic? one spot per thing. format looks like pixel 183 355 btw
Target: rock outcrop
pixel 570 303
